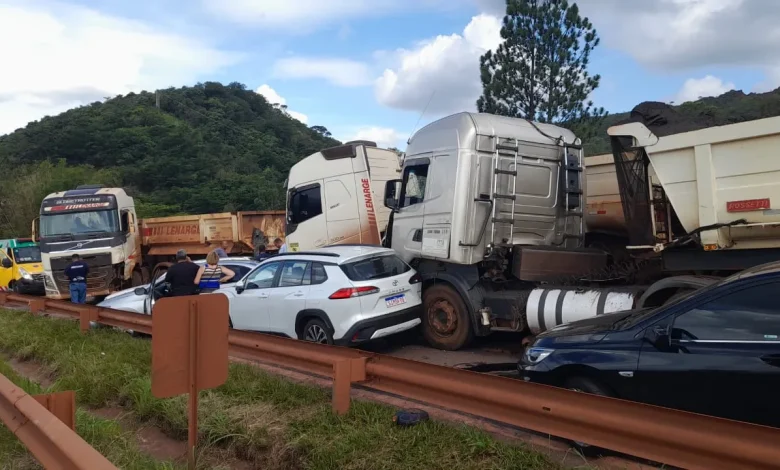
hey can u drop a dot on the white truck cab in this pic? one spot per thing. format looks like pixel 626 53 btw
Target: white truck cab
pixel 335 196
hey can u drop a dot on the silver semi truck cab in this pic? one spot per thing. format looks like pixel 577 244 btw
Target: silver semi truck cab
pixel 485 208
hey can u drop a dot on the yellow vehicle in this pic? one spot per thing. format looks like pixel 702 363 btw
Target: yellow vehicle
pixel 21 269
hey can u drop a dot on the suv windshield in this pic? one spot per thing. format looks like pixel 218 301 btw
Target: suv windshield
pixel 27 254
pixel 377 267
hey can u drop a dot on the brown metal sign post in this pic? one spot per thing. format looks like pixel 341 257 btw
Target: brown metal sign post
pixel 189 351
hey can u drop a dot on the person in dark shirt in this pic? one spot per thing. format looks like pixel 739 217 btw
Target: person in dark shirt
pixel 181 276
pixel 77 272
pixel 262 255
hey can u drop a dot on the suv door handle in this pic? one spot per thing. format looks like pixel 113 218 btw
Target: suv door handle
pixel 772 360
pixel 298 294
pixel 262 295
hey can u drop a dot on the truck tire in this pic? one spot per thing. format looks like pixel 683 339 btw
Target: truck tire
pixel 445 318
pixel 137 279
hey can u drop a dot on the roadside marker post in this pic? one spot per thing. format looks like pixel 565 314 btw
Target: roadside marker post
pixel 189 351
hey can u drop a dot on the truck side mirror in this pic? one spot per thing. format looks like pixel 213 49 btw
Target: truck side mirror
pixel 392 191
pixel 7 263
pixel 36 228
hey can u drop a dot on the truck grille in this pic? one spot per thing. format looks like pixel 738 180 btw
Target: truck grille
pixel 38 277
pixel 100 277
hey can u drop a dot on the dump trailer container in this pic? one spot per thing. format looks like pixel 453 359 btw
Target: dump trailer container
pixel 236 232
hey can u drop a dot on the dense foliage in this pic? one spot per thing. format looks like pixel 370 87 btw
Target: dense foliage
pixel 208 148
pixel 540 70
pixel 729 108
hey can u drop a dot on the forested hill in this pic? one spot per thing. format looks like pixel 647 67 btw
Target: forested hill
pixel 728 108
pixel 208 148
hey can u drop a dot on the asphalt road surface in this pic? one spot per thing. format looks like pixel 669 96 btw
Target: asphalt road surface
pixel 497 348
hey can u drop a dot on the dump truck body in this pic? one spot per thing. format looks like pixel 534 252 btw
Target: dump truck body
pixel 717 177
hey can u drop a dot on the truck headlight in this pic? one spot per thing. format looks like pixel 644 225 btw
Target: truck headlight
pixel 537 355
pixel 25 275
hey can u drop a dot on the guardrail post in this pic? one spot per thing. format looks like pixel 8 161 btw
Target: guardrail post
pixel 346 372
pixel 37 305
pixel 86 315
pixel 60 404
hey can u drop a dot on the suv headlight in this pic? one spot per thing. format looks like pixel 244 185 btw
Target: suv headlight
pixel 537 355
pixel 23 272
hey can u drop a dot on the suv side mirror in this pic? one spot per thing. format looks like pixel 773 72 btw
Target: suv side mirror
pixel 7 263
pixel 392 191
pixel 141 291
pixel 240 286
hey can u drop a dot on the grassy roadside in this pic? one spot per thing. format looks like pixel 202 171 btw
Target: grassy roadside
pixel 262 418
pixel 104 435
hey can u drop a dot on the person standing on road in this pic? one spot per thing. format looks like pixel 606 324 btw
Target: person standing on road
pixel 211 275
pixel 262 254
pixel 221 251
pixel 282 247
pixel 77 272
pixel 181 276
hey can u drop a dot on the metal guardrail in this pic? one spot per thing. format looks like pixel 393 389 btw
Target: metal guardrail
pixel 52 442
pixel 663 435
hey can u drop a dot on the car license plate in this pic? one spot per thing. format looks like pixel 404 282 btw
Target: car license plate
pixel 395 300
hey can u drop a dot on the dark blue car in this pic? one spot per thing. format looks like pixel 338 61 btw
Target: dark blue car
pixel 715 352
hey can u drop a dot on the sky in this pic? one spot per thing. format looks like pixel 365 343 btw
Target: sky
pixel 364 69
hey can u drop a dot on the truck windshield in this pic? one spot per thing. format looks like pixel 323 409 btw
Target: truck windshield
pixel 27 254
pixel 79 223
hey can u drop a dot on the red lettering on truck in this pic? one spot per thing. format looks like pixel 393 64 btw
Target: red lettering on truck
pixel 748 205
pixel 369 203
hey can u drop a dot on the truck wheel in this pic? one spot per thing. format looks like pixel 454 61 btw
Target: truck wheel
pixel 446 323
pixel 137 279
pixel 682 292
pixel 15 287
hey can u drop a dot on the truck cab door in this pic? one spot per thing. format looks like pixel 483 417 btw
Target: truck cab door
pixel 306 227
pixel 407 234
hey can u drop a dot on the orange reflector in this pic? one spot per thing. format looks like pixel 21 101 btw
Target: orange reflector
pixel 710 247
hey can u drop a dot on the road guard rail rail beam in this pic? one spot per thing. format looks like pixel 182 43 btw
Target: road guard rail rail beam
pixel 52 442
pixel 663 435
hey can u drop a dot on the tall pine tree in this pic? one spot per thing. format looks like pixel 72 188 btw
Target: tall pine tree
pixel 540 70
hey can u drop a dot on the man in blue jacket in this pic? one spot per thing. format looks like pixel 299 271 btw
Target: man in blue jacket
pixel 77 272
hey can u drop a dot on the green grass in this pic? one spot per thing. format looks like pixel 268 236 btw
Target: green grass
pixel 273 422
pixel 106 436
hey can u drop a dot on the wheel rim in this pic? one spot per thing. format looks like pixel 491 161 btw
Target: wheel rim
pixel 316 334
pixel 442 317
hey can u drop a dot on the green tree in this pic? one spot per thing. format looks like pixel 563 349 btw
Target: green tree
pixel 207 148
pixel 21 195
pixel 321 130
pixel 539 72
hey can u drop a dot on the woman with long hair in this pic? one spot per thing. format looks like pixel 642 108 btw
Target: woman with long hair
pixel 211 275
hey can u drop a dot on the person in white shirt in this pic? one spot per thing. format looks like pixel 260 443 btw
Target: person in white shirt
pixel 282 247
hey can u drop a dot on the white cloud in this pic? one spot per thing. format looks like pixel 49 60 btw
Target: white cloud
pixel 695 88
pixel 299 116
pixel 300 17
pixel 340 72
pixel 687 34
pixel 58 56
pixel 383 136
pixel 294 16
pixel 443 70
pixel 276 99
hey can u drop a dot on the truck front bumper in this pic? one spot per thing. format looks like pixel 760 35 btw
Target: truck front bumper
pixel 30 286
